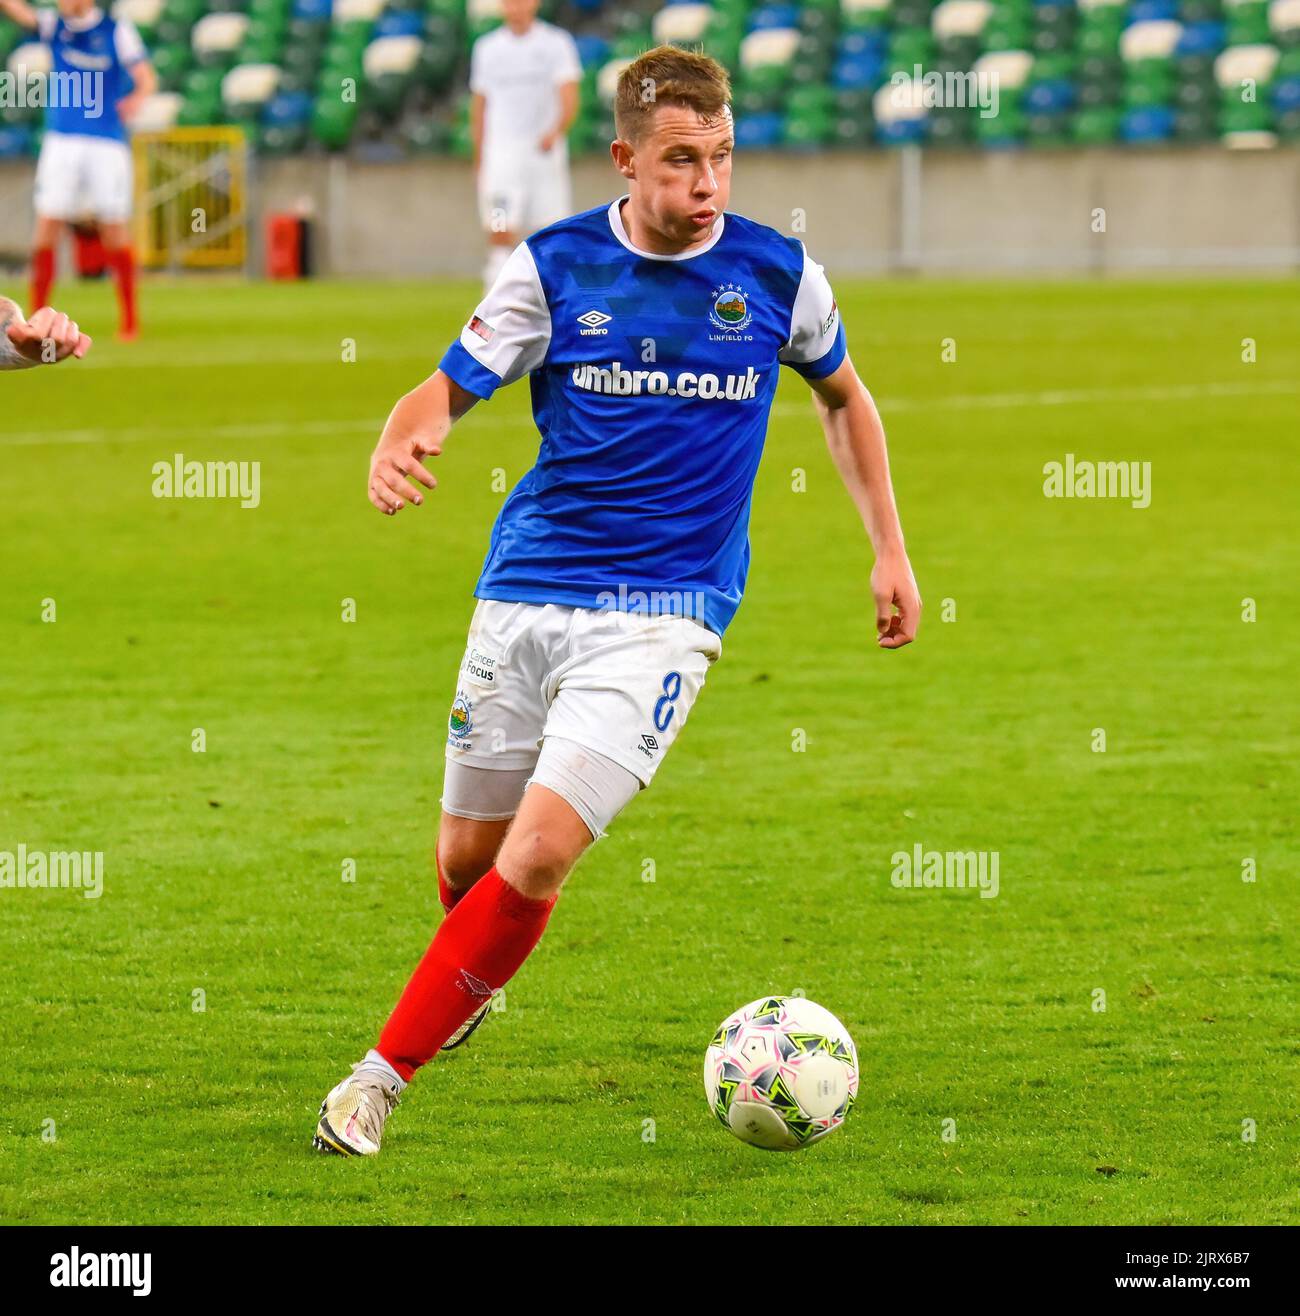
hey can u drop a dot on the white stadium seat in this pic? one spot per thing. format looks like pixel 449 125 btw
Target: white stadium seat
pixel 607 79
pixel 359 11
pixel 772 45
pixel 682 23
pixel 391 55
pixel 959 18
pixel 1284 16
pixel 143 13
pixel 863 6
pixel 219 33
pixel 1009 69
pixel 1153 39
pixel 1239 64
pixel 898 102
pixel 31 57
pixel 158 112
pixel 250 84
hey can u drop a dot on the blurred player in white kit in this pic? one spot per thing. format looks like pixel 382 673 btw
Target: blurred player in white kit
pixel 523 82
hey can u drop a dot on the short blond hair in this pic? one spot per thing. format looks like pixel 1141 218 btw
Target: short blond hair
pixel 668 75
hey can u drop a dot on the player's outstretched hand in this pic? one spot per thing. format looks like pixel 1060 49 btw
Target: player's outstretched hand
pixel 394 464
pixel 894 587
pixel 49 336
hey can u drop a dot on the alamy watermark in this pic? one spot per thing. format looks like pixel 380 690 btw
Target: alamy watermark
pixel 51 870
pixel 653 602
pixel 79 89
pixel 179 478
pixel 954 89
pixel 1085 479
pixel 920 869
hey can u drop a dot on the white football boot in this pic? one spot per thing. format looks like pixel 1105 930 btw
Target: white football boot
pixel 352 1115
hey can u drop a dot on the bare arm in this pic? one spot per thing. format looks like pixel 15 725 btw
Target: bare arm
pixel 146 83
pixel 416 429
pixel 477 102
pixel 856 440
pixel 19 11
pixel 568 94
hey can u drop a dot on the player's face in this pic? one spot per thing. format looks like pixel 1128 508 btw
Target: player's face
pixel 75 8
pixel 518 14
pixel 679 174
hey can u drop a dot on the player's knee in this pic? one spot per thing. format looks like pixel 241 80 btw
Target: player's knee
pixel 534 863
pixel 464 856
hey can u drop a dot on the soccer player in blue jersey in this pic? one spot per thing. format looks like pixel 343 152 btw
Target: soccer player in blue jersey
pixel 100 72
pixel 652 331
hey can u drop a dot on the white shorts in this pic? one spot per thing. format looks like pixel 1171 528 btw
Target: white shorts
pixel 620 684
pixel 520 194
pixel 78 176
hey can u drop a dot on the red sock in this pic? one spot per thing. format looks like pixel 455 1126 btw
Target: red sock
pixel 478 948
pixel 121 260
pixel 42 277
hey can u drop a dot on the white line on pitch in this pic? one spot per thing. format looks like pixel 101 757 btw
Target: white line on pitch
pixel 957 402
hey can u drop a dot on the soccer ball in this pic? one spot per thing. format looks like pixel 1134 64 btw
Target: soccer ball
pixel 781 1073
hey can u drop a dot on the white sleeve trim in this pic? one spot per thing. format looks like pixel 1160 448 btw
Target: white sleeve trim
pixel 46 21
pixel 568 65
pixel 815 321
pixel 127 40
pixel 515 318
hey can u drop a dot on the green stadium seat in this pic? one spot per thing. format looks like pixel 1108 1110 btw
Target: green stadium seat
pixel 1096 125
pixel 332 122
pixel 865 15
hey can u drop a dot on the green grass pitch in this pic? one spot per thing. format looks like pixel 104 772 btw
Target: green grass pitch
pixel 1120 872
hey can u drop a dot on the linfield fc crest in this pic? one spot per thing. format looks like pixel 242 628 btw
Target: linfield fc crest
pixel 730 309
pixel 461 721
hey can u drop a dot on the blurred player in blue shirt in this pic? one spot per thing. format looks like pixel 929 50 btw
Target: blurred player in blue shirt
pixel 100 72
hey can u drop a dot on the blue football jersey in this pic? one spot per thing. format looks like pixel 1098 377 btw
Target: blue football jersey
pixel 91 62
pixel 652 378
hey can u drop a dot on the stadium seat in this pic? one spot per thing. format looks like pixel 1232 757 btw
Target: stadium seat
pixel 900 109
pixel 1096 126
pixel 249 85
pixel 864 14
pixel 217 37
pixel 145 14
pixel 1009 69
pixel 682 24
pixel 1152 11
pixel 158 112
pixel 1201 38
pixel 389 64
pixel 1148 124
pixel 960 18
pixel 1284 22
pixel 1156 39
pixel 359 11
pixel 607 81
pixel 1241 64
pixel 758 131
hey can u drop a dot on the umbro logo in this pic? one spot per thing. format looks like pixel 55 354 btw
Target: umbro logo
pixel 594 322
pixel 648 744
